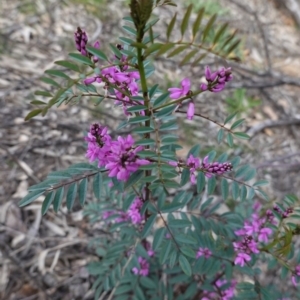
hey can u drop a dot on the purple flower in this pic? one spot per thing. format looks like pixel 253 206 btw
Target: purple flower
pixel 296 275
pixel 193 163
pixel 191 110
pixel 81 40
pixel 144 267
pixel 241 259
pixel 216 80
pixel 134 211
pixel 97 46
pixel 89 80
pixel 173 163
pixel 176 93
pixel 264 233
pixel 203 252
pixel 215 167
pixel 123 159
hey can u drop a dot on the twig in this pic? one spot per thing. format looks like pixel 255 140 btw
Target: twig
pixel 206 118
pixel 270 123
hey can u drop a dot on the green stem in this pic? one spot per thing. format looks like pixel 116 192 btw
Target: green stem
pixel 144 86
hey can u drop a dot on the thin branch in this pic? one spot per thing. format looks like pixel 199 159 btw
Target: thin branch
pixel 207 118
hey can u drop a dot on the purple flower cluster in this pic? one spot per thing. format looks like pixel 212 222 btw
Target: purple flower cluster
pixel 134 211
pixel 215 167
pixel 203 252
pixel 226 294
pixel 216 80
pixel 144 267
pixel 297 274
pixel 126 82
pixel 133 214
pixel 143 270
pixel 176 93
pixel 209 169
pixel 115 75
pixel 254 231
pixel 81 40
pixel 284 214
pixel 119 156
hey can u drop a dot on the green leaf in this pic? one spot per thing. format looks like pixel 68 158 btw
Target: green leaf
pixel 143 129
pixel 165 251
pixel 30 197
pixel 243 194
pixel 153 90
pixel 33 113
pixel 123 289
pixel 158 238
pixel 241 135
pixel 235 190
pixel 171 26
pixel 58 198
pixel 68 65
pixel 211 185
pixel 177 50
pixel 224 188
pixel 57 73
pixel 138 45
pixel 237 123
pixel 134 178
pixel 173 258
pixel 197 60
pixel 220 135
pixel 200 182
pixel 188 252
pixel 71 195
pixel 185 265
pixel 152 48
pixel 185 176
pixel 49 81
pixel 197 23
pixel 47 202
pixel 233 46
pixel 188 57
pixel 147 282
pixel 185 20
pixel 43 93
pixel 81 59
pixel 148 226
pixel 261 182
pixel 171 207
pixel 220 32
pixel 263 194
pixel 145 142
pixel 230 140
pixel 115 50
pixel 165 48
pixel 137 108
pixel 250 174
pixel 229 118
pixel 241 171
pixel 171 125
pixel 82 190
pixel 208 27
pixel 178 223
pixel 161 99
pixel 96 52
pixel 130 30
pixel 97 185
pixel 194 151
pixel 138 119
pixel 186 239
